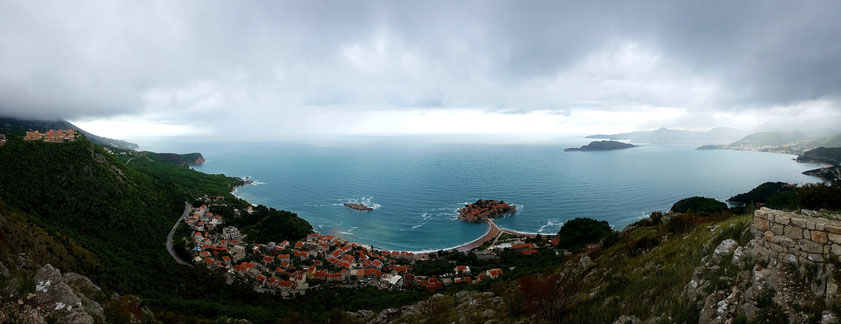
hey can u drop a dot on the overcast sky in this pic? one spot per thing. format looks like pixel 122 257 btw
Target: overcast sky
pixel 244 68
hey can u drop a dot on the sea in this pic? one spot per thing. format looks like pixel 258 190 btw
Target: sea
pixel 416 186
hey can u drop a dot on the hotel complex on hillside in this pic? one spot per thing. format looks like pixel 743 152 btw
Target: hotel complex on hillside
pixel 52 136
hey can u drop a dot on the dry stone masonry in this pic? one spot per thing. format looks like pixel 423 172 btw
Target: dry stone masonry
pixel 796 238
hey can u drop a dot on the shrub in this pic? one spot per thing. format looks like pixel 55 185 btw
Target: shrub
pixel 820 195
pixel 656 217
pixel 700 205
pixel 679 223
pixel 577 233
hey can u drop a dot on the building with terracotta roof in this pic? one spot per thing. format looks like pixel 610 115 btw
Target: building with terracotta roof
pixel 2 139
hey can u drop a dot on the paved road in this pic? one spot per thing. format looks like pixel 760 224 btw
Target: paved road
pixel 172 232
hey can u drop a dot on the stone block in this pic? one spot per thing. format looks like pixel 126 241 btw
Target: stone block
pixel 807 233
pixel 815 257
pixel 810 225
pixel 793 232
pixel 778 229
pixel 769 234
pixel 760 224
pixel 784 241
pixel 819 237
pixel 778 248
pixel 836 249
pixel 799 222
pixel 782 219
pixel 836 229
pixel 835 238
pixel 819 226
pixel 810 247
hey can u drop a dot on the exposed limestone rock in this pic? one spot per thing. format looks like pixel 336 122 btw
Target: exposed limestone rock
pixel 724 248
pixel 467 306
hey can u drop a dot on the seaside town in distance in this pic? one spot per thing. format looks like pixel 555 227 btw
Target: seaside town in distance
pixel 291 268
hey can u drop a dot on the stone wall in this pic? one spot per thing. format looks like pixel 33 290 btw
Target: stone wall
pixel 796 238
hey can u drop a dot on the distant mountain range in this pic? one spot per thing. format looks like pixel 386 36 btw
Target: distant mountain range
pixel 772 138
pixel 15 126
pixel 718 135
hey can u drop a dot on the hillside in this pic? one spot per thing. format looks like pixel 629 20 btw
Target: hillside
pixel 771 138
pixel 19 127
pixel 719 135
pixel 828 155
pixel 834 141
pixel 75 206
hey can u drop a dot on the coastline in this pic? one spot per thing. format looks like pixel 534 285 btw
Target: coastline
pixel 492 232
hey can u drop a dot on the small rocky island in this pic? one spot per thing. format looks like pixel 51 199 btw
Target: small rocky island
pixel 602 146
pixel 482 210
pixel 709 147
pixel 356 206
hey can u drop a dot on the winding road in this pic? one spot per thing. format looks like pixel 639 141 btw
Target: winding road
pixel 172 232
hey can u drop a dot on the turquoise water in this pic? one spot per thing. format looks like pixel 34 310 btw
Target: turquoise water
pixel 416 188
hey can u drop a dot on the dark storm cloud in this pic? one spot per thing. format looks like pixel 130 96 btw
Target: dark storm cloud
pixel 179 59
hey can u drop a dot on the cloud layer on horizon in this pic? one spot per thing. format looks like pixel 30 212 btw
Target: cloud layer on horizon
pixel 289 66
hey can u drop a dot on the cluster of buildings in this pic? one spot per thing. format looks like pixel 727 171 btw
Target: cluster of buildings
pixel 2 139
pixel 52 136
pixel 292 268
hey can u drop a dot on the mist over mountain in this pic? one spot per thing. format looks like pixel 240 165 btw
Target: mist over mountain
pixel 20 126
pixel 718 135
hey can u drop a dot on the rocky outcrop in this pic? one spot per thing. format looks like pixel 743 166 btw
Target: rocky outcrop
pixel 360 207
pixel 828 173
pixel 60 298
pixel 463 307
pixel 785 273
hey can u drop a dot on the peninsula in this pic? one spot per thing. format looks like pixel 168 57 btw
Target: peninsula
pixel 356 206
pixel 483 210
pixel 602 146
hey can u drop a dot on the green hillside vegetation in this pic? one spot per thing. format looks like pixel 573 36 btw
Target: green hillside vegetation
pixel 90 213
pixel 700 205
pixel 777 195
pixel 174 158
pixel 577 233
pixel 265 224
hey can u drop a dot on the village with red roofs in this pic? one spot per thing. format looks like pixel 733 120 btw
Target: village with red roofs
pixel 293 268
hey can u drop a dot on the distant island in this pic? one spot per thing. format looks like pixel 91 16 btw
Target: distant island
pixel 483 210
pixel 361 207
pixel 709 147
pixel 602 146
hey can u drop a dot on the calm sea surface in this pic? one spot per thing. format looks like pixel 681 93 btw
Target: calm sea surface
pixel 416 188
